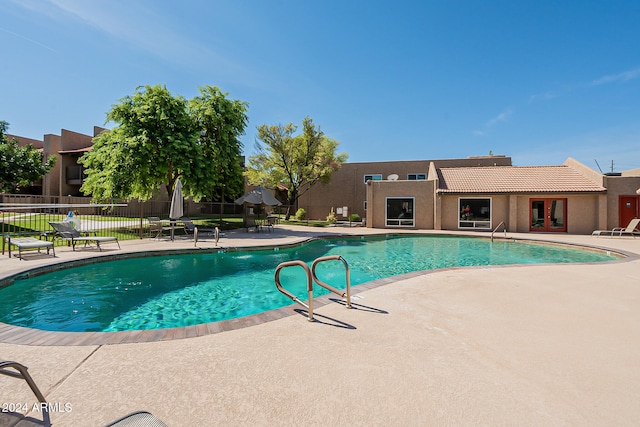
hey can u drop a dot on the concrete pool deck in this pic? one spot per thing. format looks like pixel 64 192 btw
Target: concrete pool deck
pixel 519 345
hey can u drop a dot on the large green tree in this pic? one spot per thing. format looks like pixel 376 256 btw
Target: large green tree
pixel 20 166
pixel 220 123
pixel 157 138
pixel 295 161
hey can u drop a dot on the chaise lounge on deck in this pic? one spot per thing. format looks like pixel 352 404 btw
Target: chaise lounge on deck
pixel 631 229
pixel 23 243
pixel 65 231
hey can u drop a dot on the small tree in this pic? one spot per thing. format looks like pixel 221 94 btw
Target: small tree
pixel 298 162
pixel 20 167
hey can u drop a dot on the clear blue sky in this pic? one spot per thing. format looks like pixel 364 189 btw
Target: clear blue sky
pixel 539 81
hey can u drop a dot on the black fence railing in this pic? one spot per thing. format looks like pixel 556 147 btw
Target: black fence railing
pixel 32 215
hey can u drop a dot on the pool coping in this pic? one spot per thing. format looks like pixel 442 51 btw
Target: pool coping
pixel 10 334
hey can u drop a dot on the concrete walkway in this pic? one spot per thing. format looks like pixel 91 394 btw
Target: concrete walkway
pixel 522 345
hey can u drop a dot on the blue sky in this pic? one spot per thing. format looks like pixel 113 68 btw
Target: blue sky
pixel 539 81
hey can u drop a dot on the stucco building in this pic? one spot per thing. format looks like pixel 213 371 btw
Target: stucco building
pixel 569 198
pixel 66 177
pixel 348 188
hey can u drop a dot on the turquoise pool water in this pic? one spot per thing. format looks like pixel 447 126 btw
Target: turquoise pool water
pixel 189 289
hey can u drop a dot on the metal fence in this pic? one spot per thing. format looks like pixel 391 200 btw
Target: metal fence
pixel 31 215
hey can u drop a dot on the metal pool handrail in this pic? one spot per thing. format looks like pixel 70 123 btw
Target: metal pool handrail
pixel 346 294
pixel 496 229
pixel 311 277
pixel 289 294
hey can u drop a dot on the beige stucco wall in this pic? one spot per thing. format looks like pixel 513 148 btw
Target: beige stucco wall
pixel 584 211
pixel 421 191
pixel 619 186
pixel 50 183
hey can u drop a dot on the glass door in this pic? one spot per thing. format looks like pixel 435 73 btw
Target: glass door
pixel 548 215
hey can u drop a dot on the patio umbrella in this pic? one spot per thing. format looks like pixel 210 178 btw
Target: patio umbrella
pixel 258 196
pixel 176 211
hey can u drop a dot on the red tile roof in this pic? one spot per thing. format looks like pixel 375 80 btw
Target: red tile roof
pixel 515 179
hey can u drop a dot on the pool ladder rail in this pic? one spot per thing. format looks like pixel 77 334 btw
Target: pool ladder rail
pixel 312 277
pixel 496 229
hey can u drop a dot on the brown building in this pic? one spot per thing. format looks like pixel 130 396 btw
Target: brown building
pixel 570 198
pixel 66 177
pixel 348 188
pixel 478 193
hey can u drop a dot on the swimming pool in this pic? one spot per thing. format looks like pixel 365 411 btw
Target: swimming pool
pixel 189 289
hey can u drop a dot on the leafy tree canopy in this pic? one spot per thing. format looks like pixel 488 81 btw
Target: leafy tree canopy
pixel 295 161
pixel 20 166
pixel 158 138
pixel 220 122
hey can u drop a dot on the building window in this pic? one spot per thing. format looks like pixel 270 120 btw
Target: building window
pixel 400 212
pixel 474 213
pixel 417 176
pixel 373 177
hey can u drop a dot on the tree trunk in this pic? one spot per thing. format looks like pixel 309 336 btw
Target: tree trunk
pixel 292 200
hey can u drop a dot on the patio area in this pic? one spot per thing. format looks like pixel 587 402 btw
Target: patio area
pixel 510 345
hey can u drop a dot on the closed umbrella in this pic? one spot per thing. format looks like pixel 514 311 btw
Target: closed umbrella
pixel 176 210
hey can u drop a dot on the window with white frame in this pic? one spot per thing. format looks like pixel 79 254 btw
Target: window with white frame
pixel 474 212
pixel 373 177
pixel 400 212
pixel 417 176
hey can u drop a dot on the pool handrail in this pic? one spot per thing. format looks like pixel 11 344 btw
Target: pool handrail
pixel 496 229
pixel 328 287
pixel 312 277
pixel 294 298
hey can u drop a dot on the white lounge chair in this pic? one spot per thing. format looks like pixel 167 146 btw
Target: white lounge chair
pixel 29 243
pixel 631 229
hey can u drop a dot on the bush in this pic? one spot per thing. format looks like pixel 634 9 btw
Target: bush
pixel 301 214
pixel 331 218
pixel 354 217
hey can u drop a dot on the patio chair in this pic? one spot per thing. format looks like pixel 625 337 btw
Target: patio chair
pixel 29 243
pixel 137 419
pixel 18 370
pixel 250 222
pixel 189 228
pixel 156 228
pixel 65 231
pixel 631 229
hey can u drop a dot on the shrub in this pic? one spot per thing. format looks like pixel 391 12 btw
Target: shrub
pixel 301 214
pixel 354 217
pixel 331 218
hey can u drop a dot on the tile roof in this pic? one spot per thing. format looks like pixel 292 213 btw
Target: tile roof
pixel 515 179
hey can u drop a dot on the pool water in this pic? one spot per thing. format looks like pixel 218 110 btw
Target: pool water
pixel 189 289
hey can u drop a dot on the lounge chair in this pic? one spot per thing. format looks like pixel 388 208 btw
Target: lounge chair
pixel 18 370
pixel 65 231
pixel 189 228
pixel 29 243
pixel 156 228
pixel 631 229
pixel 137 419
